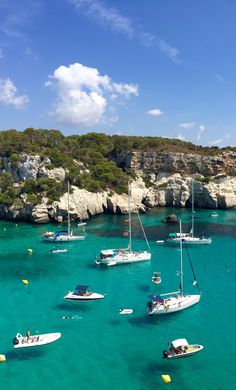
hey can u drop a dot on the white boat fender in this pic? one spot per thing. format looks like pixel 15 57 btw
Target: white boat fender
pixel 126 311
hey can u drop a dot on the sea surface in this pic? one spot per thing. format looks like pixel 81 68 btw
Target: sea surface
pixel 99 348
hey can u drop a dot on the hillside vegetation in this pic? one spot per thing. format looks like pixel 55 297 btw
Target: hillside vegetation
pixel 96 171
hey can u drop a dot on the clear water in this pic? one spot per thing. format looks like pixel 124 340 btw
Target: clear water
pixel 99 348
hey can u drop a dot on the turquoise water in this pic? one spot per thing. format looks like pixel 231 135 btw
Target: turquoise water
pixel 99 348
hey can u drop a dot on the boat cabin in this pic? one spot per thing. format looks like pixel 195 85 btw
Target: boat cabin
pixel 107 253
pixel 81 290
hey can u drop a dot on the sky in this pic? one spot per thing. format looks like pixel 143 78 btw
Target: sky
pixel 153 68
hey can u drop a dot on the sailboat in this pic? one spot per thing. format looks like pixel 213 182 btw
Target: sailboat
pixel 112 257
pixel 176 300
pixel 189 238
pixel 65 235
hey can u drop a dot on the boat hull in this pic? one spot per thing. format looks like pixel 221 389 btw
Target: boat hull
pixel 189 241
pixel 91 297
pixel 37 340
pixel 63 238
pixel 126 258
pixel 54 251
pixel 191 350
pixel 173 304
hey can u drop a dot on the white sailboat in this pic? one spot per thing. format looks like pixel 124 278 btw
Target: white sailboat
pixel 65 235
pixel 173 301
pixel 112 257
pixel 188 238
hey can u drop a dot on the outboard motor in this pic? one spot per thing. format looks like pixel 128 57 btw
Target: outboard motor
pixel 165 354
pixel 15 341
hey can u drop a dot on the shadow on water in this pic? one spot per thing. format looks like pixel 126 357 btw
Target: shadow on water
pixel 115 322
pixel 152 367
pixel 144 287
pixel 152 320
pixel 71 306
pixel 161 231
pixel 25 354
pixel 151 370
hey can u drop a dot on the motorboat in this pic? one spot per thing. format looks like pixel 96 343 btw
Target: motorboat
pixel 188 238
pixel 181 348
pixel 81 293
pixel 33 341
pixel 156 278
pixel 58 250
pixel 65 235
pixel 111 257
pixel 174 301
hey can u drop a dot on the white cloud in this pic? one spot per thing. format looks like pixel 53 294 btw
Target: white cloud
pixel 181 137
pixel 155 112
pixel 170 51
pixel 112 19
pixel 200 131
pixel 219 140
pixel 8 94
pixel 187 125
pixel 107 16
pixel 84 95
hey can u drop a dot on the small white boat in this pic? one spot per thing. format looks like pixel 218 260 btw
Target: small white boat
pixel 214 214
pixel 111 257
pixel 81 293
pixel 65 235
pixel 55 250
pixel 156 277
pixel 175 300
pixel 33 341
pixel 188 238
pixel 181 348
pixel 126 311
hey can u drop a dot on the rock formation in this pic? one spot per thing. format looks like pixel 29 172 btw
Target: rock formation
pixel 169 174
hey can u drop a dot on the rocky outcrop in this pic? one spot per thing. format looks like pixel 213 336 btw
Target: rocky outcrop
pixel 170 176
pixel 157 163
pixel 32 167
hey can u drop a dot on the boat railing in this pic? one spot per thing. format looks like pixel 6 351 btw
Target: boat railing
pixel 170 293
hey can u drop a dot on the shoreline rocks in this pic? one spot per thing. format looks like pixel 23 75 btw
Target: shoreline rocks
pixel 166 188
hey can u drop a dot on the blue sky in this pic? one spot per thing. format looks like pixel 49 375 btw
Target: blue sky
pixel 156 68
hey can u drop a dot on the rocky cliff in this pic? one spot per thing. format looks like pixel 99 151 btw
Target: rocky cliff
pixel 157 163
pixel 169 176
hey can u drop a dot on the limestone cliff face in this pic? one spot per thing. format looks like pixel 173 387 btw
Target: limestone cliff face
pixel 186 164
pixel 170 176
pixel 32 167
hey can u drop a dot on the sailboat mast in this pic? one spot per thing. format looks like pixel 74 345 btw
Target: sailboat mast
pixel 68 208
pixel 192 208
pixel 181 261
pixel 130 225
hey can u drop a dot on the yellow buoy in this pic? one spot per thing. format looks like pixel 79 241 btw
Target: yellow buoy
pixel 2 358
pixel 166 378
pixel 30 251
pixel 25 281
